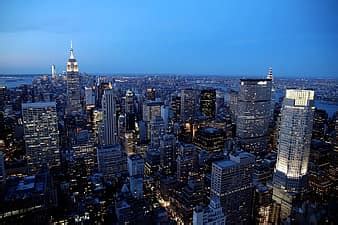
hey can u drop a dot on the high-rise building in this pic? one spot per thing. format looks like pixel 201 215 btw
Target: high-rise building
pixel 208 102
pixel 210 215
pixel 175 106
pixel 157 130
pixel 109 123
pixel 151 109
pixel 130 102
pixel 41 134
pixel 188 104
pixel 89 97
pixel 53 72
pixel 254 113
pixel 151 94
pixel 185 161
pixel 210 139
pixel 2 96
pixel 231 182
pixel 101 86
pixel 73 85
pixel 233 100
pixel 167 153
pixel 290 176
pixel 111 161
pixel 2 167
pixel 136 173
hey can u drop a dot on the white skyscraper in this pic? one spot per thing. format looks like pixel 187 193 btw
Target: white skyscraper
pixel 293 148
pixel 109 136
pixel 41 134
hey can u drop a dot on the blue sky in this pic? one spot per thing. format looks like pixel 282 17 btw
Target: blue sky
pixel 226 37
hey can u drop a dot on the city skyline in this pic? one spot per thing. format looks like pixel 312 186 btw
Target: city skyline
pixel 217 38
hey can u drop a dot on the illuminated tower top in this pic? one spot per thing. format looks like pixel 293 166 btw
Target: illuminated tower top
pixel 72 63
pixel 270 74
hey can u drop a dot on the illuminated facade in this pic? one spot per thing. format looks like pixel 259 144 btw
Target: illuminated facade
pixel 210 215
pixel 208 102
pixel 111 161
pixel 136 173
pixel 293 147
pixel 73 85
pixel 231 182
pixel 188 104
pixel 253 114
pixel 41 134
pixel 109 123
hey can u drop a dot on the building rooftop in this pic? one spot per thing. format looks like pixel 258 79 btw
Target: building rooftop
pixel 38 105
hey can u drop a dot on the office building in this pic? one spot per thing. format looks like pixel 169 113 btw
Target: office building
pixel 2 168
pixel 253 114
pixel 167 153
pixel 136 174
pixel 157 130
pixel 188 104
pixel 290 176
pixel 210 139
pixel 208 102
pixel 89 97
pixel 231 182
pixel 210 215
pixel 109 123
pixel 41 134
pixel 112 161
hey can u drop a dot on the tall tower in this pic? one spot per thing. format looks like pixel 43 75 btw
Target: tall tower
pixel 254 113
pixel 41 134
pixel 53 72
pixel 73 85
pixel 188 104
pixel 270 76
pixel 293 148
pixel 208 102
pixel 109 117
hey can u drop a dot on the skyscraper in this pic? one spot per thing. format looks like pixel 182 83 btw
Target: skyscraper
pixel 254 113
pixel 188 104
pixel 231 182
pixel 53 72
pixel 136 173
pixel 73 85
pixel 109 124
pixel 208 102
pixel 41 134
pixel 290 176
pixel 111 161
pixel 2 167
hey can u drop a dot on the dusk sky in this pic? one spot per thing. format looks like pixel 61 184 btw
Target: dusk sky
pixel 237 37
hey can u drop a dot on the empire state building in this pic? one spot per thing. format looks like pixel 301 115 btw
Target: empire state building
pixel 73 85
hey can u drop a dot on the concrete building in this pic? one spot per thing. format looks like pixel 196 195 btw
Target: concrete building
pixel 41 134
pixel 231 182
pixel 210 215
pixel 253 114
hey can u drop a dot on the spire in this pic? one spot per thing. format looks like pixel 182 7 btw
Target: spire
pixel 71 51
pixel 270 74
